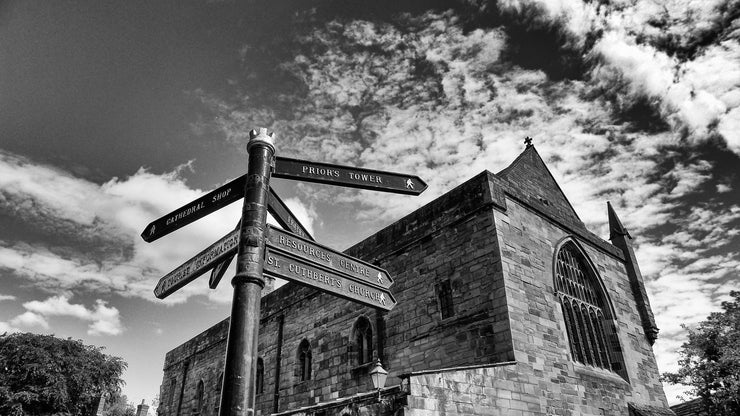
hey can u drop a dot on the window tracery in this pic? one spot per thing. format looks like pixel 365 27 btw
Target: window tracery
pixel 591 334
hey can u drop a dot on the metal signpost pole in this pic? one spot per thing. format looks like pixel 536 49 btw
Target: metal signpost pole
pixel 237 397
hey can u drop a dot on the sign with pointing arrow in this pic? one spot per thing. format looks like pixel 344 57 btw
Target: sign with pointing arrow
pixel 352 177
pixel 285 266
pixel 208 203
pixel 215 200
pixel 328 258
pixel 201 263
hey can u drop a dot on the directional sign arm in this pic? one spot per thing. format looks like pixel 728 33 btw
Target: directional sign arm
pixel 282 265
pixel 284 216
pixel 328 258
pixel 201 263
pixel 348 176
pixel 195 210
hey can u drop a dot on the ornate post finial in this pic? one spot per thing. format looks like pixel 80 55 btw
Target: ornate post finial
pixel 261 136
pixel 528 141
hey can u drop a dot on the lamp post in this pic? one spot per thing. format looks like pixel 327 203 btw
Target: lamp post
pixel 378 376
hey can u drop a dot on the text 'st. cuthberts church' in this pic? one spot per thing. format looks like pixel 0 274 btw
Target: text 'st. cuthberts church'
pixel 507 305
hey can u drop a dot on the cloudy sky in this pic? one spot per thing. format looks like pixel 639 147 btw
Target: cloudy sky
pixel 115 113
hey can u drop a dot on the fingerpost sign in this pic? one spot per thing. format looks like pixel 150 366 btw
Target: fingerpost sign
pixel 261 250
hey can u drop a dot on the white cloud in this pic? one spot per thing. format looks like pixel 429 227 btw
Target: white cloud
pixel 114 213
pixel 30 319
pixel 723 188
pixel 6 297
pixel 103 320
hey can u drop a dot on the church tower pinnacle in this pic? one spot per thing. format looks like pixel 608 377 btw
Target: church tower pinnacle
pixel 622 239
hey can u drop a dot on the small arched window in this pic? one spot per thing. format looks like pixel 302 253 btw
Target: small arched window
pixel 304 360
pixel 260 382
pixel 363 338
pixel 444 298
pixel 586 311
pixel 199 398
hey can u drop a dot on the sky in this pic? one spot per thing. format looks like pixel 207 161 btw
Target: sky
pixel 113 114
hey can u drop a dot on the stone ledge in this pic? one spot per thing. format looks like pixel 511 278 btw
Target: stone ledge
pixel 450 369
pixel 586 370
pixel 376 396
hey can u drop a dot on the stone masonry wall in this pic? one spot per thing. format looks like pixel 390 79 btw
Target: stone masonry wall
pixel 451 239
pixel 528 243
pixel 201 358
pixel 504 389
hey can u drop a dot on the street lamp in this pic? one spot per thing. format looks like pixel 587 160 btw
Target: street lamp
pixel 378 375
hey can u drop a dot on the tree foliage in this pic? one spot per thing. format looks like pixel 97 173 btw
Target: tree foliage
pixel 118 405
pixel 45 375
pixel 710 360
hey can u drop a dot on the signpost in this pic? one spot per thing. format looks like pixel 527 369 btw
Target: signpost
pixel 260 249
pixel 348 176
pixel 283 215
pixel 240 367
pixel 304 272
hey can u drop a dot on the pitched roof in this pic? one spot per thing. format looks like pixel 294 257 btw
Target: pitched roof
pixel 530 181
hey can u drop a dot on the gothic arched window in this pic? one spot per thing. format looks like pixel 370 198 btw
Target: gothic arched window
pixel 363 340
pixel 304 360
pixel 591 333
pixel 260 383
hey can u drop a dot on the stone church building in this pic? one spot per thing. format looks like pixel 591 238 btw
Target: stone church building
pixel 507 305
